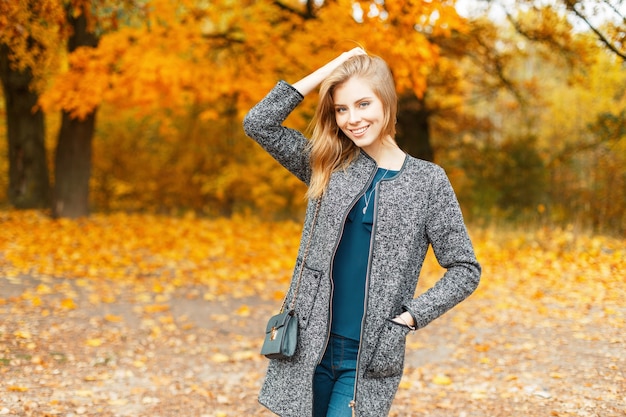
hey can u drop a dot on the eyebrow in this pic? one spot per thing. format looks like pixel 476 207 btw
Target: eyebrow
pixel 357 101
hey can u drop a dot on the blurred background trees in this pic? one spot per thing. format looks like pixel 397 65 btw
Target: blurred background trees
pixel 523 103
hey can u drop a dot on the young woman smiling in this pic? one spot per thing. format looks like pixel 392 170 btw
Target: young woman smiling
pixel 379 211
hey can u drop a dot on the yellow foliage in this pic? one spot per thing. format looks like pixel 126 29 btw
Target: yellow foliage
pixel 113 318
pixel 34 33
pixel 186 53
pixel 546 296
pixel 173 80
pixel 187 71
pixel 441 379
pixel 68 304
pixel 22 334
pixel 94 342
pixel 540 271
pixel 543 271
pixel 187 164
pixel 237 256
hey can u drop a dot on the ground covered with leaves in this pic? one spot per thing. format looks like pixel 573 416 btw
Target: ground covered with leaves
pixel 137 315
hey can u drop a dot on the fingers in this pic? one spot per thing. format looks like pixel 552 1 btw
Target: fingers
pixel 358 51
pixel 355 52
pixel 311 81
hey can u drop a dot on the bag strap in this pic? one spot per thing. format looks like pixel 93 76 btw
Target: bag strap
pixel 306 252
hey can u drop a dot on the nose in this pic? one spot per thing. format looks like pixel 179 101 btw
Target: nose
pixel 354 117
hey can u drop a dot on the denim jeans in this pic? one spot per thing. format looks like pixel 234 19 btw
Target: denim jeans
pixel 333 384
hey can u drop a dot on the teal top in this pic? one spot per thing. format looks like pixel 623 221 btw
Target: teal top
pixel 351 262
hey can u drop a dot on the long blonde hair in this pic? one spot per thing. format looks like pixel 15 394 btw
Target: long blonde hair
pixel 330 148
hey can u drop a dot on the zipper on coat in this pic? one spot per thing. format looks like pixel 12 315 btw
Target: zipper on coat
pixel 332 288
pixel 367 284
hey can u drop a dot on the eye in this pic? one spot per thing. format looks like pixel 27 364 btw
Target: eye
pixel 364 104
pixel 340 109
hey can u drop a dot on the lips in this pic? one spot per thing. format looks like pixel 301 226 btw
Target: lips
pixel 359 131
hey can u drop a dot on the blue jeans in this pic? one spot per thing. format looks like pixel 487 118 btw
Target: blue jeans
pixel 333 383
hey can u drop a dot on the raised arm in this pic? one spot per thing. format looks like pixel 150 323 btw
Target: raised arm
pixel 264 122
pixel 311 81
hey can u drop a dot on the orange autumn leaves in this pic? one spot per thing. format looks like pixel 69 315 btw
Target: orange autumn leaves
pixel 114 295
pixel 172 54
pixel 34 32
pixel 554 272
pixel 235 257
pixel 544 271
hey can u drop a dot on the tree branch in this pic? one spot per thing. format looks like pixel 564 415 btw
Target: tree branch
pixel 306 15
pixel 572 6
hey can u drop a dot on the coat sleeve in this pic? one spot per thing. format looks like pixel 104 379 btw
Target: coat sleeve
pixel 264 124
pixel 453 249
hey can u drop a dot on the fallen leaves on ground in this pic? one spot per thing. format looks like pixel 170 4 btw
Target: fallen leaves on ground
pixel 229 257
pixel 140 315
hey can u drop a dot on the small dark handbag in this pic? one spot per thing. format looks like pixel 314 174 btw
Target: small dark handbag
pixel 281 336
pixel 281 332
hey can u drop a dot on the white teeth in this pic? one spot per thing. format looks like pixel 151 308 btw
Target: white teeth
pixel 359 131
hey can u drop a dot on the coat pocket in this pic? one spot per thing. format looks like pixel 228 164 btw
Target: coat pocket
pixel 306 293
pixel 388 357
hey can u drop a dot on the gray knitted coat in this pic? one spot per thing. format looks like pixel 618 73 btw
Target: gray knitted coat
pixel 415 208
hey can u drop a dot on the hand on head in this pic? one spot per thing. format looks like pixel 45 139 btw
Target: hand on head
pixel 311 81
pixel 355 51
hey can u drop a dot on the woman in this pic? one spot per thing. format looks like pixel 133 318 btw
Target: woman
pixel 379 211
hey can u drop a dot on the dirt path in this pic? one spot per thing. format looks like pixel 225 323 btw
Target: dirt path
pixel 72 348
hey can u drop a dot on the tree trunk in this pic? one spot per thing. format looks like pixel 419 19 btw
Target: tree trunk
pixel 73 167
pixel 413 128
pixel 29 185
pixel 74 147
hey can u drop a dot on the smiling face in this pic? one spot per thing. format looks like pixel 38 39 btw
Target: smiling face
pixel 359 114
